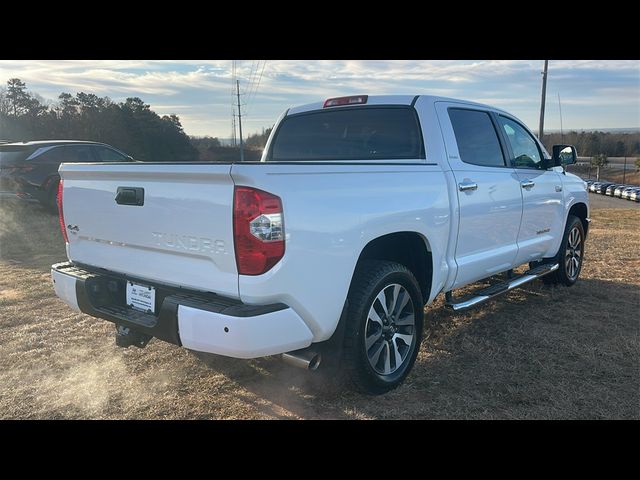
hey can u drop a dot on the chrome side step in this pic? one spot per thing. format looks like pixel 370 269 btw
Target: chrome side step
pixel 488 293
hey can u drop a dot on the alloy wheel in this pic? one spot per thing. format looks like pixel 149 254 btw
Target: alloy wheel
pixel 390 329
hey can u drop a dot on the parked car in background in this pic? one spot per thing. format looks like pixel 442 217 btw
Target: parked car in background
pixel 624 194
pixel 635 195
pixel 29 170
pixel 618 189
pixel 612 188
pixel 602 187
pixel 593 186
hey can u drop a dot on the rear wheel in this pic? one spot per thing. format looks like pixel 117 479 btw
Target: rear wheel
pixel 384 325
pixel 569 257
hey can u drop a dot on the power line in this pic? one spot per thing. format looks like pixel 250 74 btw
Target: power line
pixel 240 121
pixel 233 114
pixel 252 76
pixel 252 95
pixel 251 88
pixel 252 85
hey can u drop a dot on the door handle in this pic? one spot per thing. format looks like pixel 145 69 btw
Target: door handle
pixel 527 184
pixel 130 196
pixel 467 186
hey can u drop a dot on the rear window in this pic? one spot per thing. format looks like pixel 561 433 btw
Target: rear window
pixel 355 133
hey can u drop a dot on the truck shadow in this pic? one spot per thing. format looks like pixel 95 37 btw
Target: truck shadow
pixel 537 352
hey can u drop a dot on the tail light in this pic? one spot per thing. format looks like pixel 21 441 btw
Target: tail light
pixel 63 228
pixel 258 230
pixel 339 101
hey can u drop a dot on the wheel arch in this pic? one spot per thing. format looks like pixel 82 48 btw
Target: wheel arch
pixel 581 211
pixel 409 248
pixel 50 181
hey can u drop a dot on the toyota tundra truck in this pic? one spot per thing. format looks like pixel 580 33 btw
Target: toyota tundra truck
pixel 360 212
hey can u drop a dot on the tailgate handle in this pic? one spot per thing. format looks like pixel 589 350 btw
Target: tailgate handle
pixel 130 196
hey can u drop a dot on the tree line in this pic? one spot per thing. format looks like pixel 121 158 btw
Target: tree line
pixel 590 144
pixel 130 126
pixel 210 149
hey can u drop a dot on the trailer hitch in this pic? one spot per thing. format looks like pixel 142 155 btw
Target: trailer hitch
pixel 125 337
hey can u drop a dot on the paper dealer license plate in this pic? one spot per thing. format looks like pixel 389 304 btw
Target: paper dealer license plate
pixel 141 297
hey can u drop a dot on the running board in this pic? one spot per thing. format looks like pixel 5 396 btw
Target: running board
pixel 488 293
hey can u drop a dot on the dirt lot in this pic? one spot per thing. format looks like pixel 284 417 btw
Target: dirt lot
pixel 535 353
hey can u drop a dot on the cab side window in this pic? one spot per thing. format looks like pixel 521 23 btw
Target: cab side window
pixel 526 153
pixel 476 137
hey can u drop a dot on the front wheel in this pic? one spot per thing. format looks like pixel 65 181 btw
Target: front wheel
pixel 384 325
pixel 570 255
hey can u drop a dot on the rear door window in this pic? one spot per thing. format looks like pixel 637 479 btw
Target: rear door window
pixel 349 133
pixel 105 154
pixel 75 154
pixel 476 138
pixel 52 155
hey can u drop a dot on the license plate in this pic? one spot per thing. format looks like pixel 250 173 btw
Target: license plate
pixel 141 297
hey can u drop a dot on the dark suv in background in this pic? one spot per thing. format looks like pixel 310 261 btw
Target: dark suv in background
pixel 29 170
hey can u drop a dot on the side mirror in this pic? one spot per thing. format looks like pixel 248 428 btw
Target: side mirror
pixel 564 155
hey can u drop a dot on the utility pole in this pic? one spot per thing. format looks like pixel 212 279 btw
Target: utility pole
pixel 560 107
pixel 624 172
pixel 233 124
pixel 544 97
pixel 240 121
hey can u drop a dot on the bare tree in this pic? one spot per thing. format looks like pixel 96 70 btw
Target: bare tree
pixel 598 161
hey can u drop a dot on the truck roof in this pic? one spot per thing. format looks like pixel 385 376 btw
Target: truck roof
pixel 391 100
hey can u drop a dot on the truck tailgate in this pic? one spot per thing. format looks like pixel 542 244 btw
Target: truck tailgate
pixel 181 235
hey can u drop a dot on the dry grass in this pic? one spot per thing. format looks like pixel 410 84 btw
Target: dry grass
pixel 535 353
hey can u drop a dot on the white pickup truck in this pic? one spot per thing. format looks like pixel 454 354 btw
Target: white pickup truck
pixel 361 211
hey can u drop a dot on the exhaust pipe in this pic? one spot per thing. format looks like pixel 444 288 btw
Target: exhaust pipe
pixel 303 359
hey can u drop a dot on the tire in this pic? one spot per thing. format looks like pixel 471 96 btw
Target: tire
pixel 570 256
pixel 393 336
pixel 52 197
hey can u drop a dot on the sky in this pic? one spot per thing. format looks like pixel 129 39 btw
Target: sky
pixel 593 93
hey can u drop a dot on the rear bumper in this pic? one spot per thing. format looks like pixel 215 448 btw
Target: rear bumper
pixel 204 322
